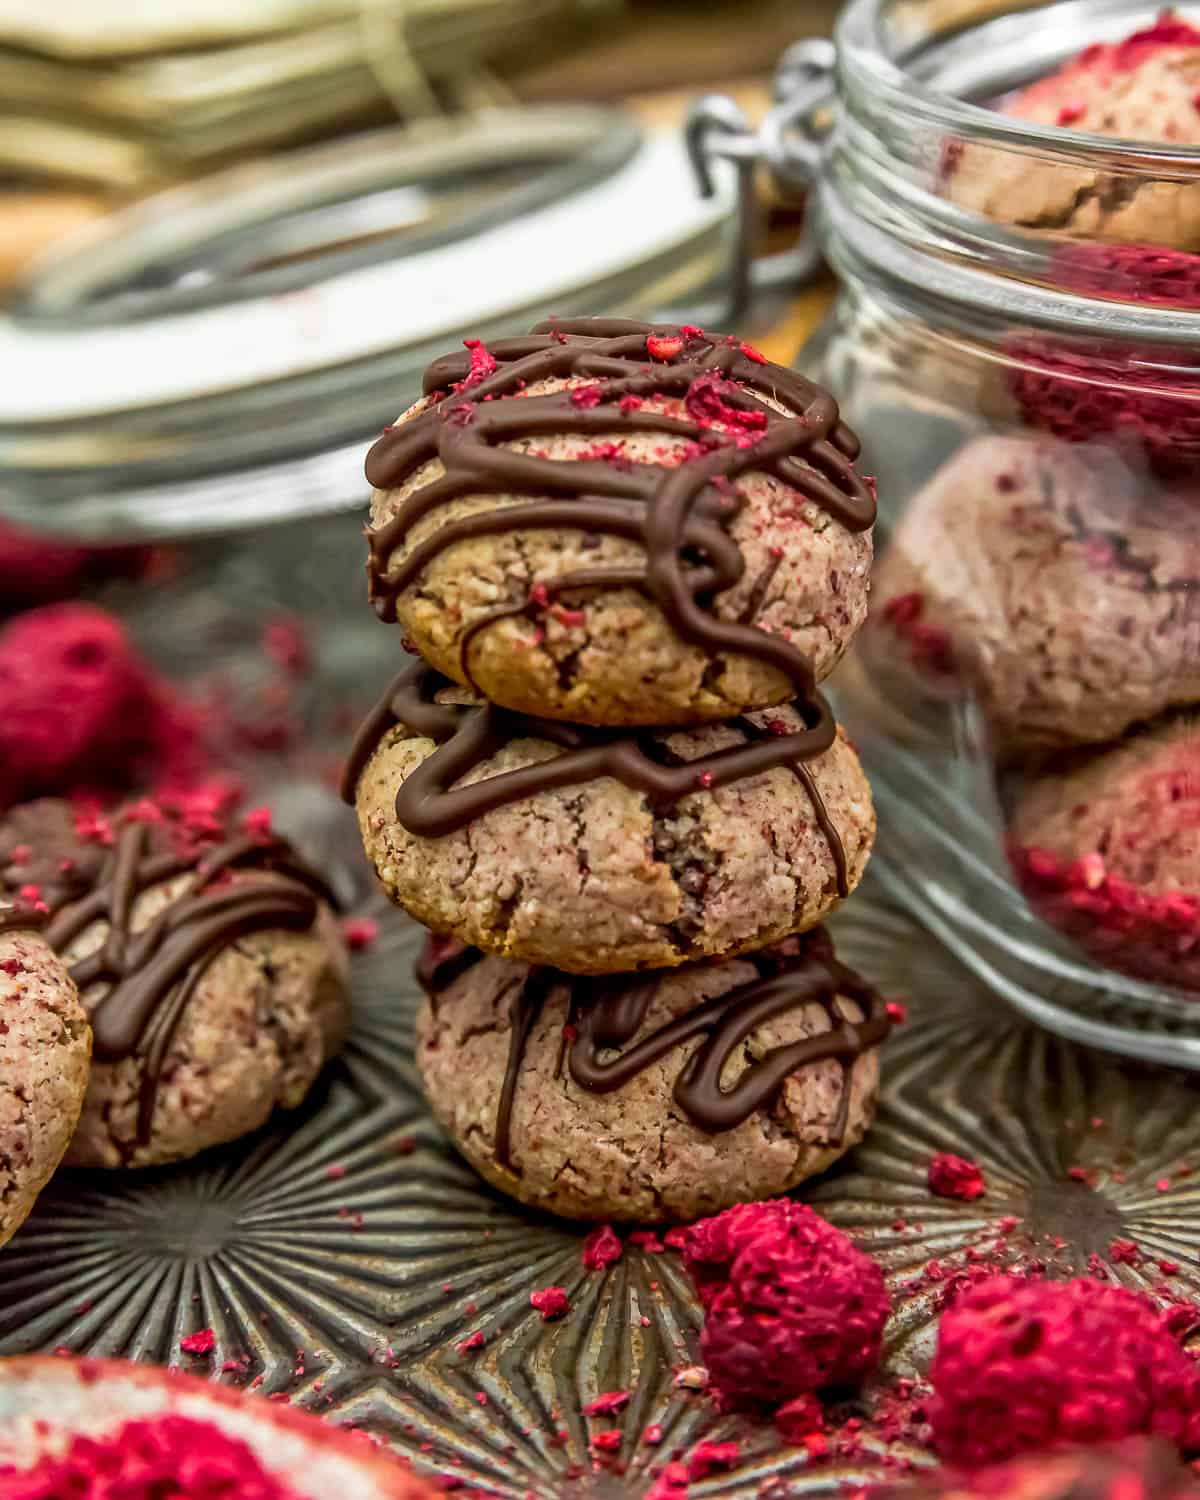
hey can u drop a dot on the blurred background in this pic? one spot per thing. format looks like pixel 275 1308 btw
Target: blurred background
pixel 104 101
pixel 233 233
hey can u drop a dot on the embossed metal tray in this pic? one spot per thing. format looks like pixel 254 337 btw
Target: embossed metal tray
pixel 343 1254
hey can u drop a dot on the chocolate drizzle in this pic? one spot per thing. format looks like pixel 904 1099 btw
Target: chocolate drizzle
pixel 137 985
pixel 679 515
pixel 21 919
pixel 606 1015
pixel 431 804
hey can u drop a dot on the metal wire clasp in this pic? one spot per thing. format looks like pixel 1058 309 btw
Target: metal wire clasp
pixel 785 143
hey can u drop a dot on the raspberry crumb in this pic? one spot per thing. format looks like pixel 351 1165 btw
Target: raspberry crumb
pixel 285 642
pixel 258 822
pixel 482 363
pixel 798 1419
pixel 897 1013
pixel 1027 1364
pixel 601 1248
pixel 951 1176
pixel 360 932
pixel 200 1342
pixel 791 1306
pixel 586 396
pixel 707 1456
pixel 551 1302
pixel 661 346
pixel 671 1484
pixel 653 1435
pixel 1124 1253
pixel 647 1240
pixel 472 1342
pixel 608 1441
pixel 335 1172
pixel 606 1404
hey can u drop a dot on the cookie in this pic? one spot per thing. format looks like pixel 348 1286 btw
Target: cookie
pixel 208 959
pixel 1141 398
pixel 622 524
pixel 1106 850
pixel 653 1097
pixel 93 1428
pixel 45 1044
pixel 1044 580
pixel 1140 89
pixel 596 851
pixel 80 709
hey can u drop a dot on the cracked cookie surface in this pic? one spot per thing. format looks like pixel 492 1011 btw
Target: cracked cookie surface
pixel 496 612
pixel 1048 581
pixel 216 986
pixel 45 1044
pixel 1105 849
pixel 259 1026
pixel 633 1154
pixel 594 879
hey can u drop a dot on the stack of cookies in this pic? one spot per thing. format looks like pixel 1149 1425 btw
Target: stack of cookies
pixel 625 555
pixel 166 980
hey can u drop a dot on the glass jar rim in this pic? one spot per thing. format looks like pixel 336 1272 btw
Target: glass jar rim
pixel 902 100
pixel 1047 32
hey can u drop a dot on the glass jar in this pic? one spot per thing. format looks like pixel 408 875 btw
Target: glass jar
pixel 1017 342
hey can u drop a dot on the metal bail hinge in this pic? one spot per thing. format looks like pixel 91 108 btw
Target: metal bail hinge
pixel 717 130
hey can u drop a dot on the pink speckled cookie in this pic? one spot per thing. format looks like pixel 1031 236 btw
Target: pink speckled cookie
pixel 609 852
pixel 620 524
pixel 1107 850
pixel 1047 581
pixel 656 1096
pixel 45 1045
pixel 208 960
pixel 1140 89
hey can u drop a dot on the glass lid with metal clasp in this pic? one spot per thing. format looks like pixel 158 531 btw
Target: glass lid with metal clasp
pixel 216 356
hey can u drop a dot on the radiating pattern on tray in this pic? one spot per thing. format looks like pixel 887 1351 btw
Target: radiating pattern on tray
pixel 345 1255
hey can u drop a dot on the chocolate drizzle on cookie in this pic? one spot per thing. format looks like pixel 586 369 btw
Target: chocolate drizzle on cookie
pixel 605 1016
pixel 679 515
pixel 431 802
pixel 21 919
pixel 136 984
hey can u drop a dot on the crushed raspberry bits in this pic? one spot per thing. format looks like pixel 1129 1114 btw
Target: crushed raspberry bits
pixel 791 1307
pixel 1035 1364
pixel 169 1458
pixel 951 1176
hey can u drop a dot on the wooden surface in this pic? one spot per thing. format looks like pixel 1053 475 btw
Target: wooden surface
pixel 663 44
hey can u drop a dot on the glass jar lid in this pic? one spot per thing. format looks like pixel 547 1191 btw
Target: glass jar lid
pixel 217 355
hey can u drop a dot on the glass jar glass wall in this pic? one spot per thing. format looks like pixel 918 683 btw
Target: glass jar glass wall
pixel 1018 343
